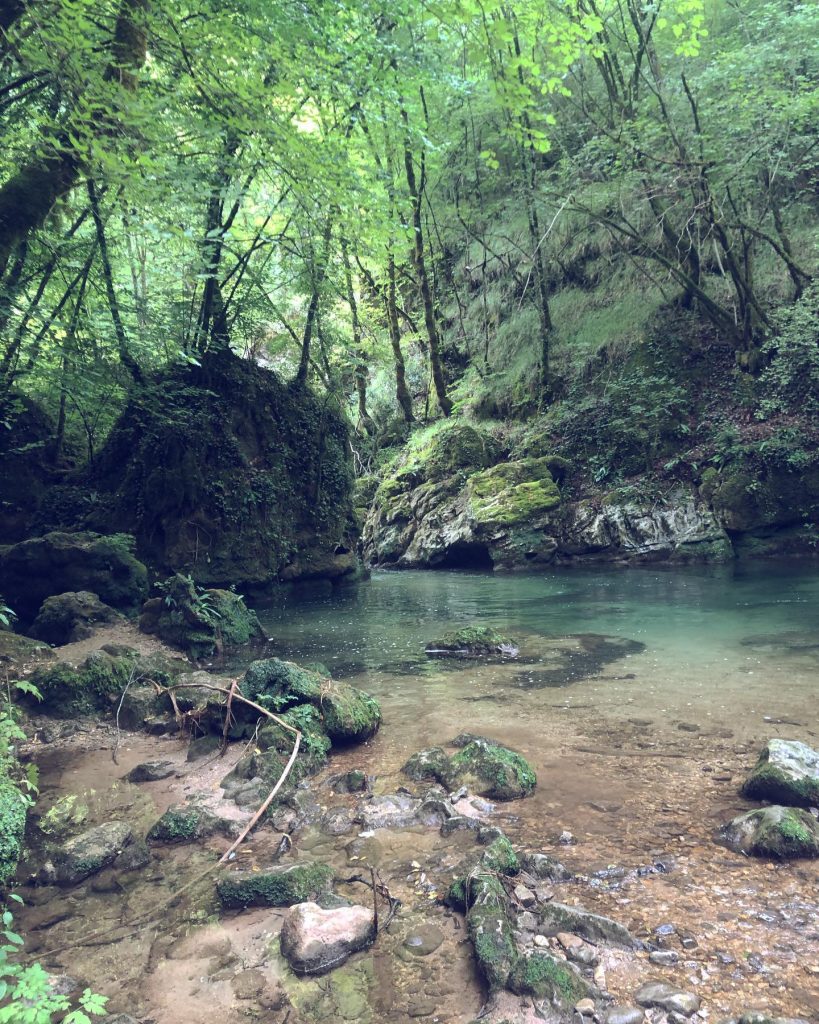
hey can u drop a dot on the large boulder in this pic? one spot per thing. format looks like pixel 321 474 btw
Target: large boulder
pixel 57 563
pixel 64 618
pixel 224 471
pixel 199 621
pixel 95 685
pixel 314 941
pixel 19 651
pixel 787 772
pixel 348 715
pixel 775 831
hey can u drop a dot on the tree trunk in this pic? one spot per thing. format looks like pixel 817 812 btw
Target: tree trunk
pixel 360 371
pixel 28 196
pixel 401 389
pixel 319 272
pixel 419 263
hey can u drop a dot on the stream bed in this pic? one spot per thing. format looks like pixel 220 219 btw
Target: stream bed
pixel 653 694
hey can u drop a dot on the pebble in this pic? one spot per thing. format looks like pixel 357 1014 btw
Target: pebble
pixel 585 1007
pixel 625 1015
pixel 667 997
pixel 524 896
pixel 663 957
pixel 540 940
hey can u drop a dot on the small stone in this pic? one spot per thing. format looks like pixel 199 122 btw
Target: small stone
pixel 527 921
pixel 424 940
pixel 585 1007
pixel 667 997
pixel 540 940
pixel 663 957
pixel 625 1015
pixel 524 896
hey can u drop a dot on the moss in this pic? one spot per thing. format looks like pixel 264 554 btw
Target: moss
pixel 471 641
pixel 774 831
pixel 277 887
pixel 513 493
pixel 20 650
pixel 68 691
pixel 349 714
pixel 543 977
pixel 493 770
pixel 787 772
pixel 490 930
pixel 12 826
pixel 500 856
pixel 280 684
pixel 235 622
pixel 177 825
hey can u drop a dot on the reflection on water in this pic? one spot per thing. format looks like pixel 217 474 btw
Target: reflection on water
pixel 691 615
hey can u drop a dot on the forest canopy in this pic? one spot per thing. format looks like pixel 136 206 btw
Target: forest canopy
pixel 416 208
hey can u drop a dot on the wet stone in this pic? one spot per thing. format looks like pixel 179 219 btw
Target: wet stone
pixel 524 896
pixel 151 771
pixel 624 1015
pixel 424 940
pixel 667 997
pixel 664 957
pixel 202 747
pixel 314 941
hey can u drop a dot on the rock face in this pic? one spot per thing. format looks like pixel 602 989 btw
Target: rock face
pixel 58 563
pixel 314 941
pixel 773 831
pixel 199 622
pixel 452 502
pixel 274 887
pixel 253 486
pixel 64 618
pixel 787 772
pixel 91 851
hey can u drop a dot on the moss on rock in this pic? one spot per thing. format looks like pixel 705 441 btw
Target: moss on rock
pixel 188 823
pixel 777 832
pixel 492 770
pixel 274 887
pixel 543 977
pixel 472 642
pixel 67 691
pixel 513 493
pixel 787 772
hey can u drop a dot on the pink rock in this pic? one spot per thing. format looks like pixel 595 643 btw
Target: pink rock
pixel 315 941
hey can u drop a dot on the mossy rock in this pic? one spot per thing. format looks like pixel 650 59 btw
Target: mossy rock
pixel 19 651
pixel 775 831
pixel 457 446
pixel 58 563
pixel 91 851
pixel 93 686
pixel 279 685
pixel 12 826
pixel 274 887
pixel 472 642
pixel 560 917
pixel 543 977
pixel 493 771
pixel 431 765
pixel 491 931
pixel 348 715
pixel 188 823
pixel 787 772
pixel 498 858
pixel 513 493
pixel 199 621
pixel 65 618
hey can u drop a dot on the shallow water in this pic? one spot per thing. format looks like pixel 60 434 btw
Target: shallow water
pixel 640 698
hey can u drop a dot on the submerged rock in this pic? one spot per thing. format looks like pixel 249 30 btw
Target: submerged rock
pixel 667 997
pixel 151 771
pixel 274 887
pixel 558 917
pixel 58 563
pixel 431 765
pixel 492 770
pixel 542 866
pixel 473 642
pixel 65 618
pixel 773 832
pixel 188 823
pixel 787 772
pixel 90 851
pixel 314 941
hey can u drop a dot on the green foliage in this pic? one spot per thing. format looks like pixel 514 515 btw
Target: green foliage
pixel 790 383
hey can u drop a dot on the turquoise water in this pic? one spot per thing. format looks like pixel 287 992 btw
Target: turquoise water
pixel 686 616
